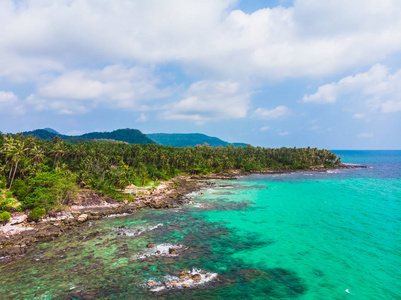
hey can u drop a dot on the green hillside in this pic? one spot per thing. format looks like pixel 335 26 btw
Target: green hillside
pixel 188 139
pixel 131 136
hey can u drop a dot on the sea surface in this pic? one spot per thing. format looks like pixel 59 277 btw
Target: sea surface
pixel 306 235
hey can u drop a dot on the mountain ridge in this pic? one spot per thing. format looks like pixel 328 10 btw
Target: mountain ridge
pixel 189 139
pixel 131 136
pixel 135 136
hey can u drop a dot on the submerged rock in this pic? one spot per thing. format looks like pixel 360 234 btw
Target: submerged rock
pixel 185 280
pixel 165 251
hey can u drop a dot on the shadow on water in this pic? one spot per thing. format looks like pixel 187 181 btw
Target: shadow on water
pixel 98 261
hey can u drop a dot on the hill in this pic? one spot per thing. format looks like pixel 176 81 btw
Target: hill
pixel 188 139
pixel 131 136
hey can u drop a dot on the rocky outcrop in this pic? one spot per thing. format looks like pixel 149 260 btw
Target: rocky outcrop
pixel 82 218
pixel 150 245
pixel 18 235
pixel 185 280
pixel 19 243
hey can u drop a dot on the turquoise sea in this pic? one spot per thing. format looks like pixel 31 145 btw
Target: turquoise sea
pixel 305 235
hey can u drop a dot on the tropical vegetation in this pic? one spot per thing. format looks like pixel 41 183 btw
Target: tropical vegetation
pixel 47 174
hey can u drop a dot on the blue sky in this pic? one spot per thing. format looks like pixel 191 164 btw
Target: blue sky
pixel 269 73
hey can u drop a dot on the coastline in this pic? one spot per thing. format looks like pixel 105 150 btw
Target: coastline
pixel 19 235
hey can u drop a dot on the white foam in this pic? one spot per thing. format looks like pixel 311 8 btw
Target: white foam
pixel 349 292
pixel 139 230
pixel 159 250
pixel 157 289
pixel 118 215
pixel 205 278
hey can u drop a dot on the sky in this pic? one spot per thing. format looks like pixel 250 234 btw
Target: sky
pixel 272 73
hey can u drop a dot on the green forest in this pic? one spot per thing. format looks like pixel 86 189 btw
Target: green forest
pixel 47 174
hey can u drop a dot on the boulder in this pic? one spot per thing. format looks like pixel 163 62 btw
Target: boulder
pixel 172 251
pixel 196 277
pixel 184 276
pixel 18 219
pixel 82 218
pixel 150 245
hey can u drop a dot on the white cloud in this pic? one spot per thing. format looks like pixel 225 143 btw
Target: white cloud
pixel 311 38
pixel 275 113
pixel 391 105
pixel 359 116
pixel 210 100
pixel 63 107
pixel 114 86
pixel 366 135
pixel 283 133
pixel 376 91
pixel 58 46
pixel 325 94
pixel 142 118
pixel 7 98
pixel 10 104
pixel 265 128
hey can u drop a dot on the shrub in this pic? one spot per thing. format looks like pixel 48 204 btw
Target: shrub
pixel 3 182
pixel 37 213
pixel 48 189
pixel 5 216
pixel 20 189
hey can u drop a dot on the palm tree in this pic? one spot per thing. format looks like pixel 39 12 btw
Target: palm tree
pixel 37 155
pixel 17 151
pixel 57 151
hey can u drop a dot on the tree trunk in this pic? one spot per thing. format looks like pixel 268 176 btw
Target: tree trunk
pixel 11 169
pixel 15 170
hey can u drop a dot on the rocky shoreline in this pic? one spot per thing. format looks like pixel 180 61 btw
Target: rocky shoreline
pixel 20 234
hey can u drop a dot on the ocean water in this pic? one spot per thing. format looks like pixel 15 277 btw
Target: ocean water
pixel 305 235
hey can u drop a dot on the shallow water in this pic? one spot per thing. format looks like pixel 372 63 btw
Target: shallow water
pixel 288 236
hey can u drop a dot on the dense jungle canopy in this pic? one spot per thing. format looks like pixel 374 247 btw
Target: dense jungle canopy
pixel 48 174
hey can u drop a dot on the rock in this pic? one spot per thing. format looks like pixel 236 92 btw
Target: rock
pixel 172 251
pixel 18 219
pixel 252 274
pixel 184 276
pixel 208 275
pixel 185 285
pixel 196 277
pixel 150 245
pixel 174 282
pixel 202 272
pixel 151 284
pixel 82 218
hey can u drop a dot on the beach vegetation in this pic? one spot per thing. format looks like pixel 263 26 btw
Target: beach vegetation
pixel 49 173
pixel 37 213
pixel 5 216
